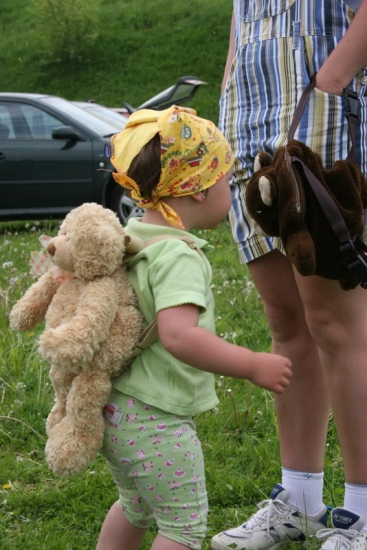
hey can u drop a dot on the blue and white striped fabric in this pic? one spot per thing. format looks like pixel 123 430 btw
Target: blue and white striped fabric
pixel 280 44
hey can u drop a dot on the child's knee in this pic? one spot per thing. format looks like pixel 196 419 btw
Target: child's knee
pixel 139 516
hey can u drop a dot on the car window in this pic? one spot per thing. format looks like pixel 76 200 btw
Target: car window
pixel 24 121
pixel 91 122
pixel 6 126
pixel 40 123
pixel 116 120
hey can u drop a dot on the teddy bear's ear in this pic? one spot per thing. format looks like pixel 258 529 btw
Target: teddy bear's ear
pixel 261 161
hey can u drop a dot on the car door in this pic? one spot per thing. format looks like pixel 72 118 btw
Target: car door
pixel 38 172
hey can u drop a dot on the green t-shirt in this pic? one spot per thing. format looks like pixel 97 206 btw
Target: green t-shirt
pixel 166 274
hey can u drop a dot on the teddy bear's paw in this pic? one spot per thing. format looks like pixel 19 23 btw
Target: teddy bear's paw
pixel 260 231
pixel 54 418
pixel 21 318
pixel 60 350
pixel 68 452
pixel 15 319
pixel 300 249
pixel 348 283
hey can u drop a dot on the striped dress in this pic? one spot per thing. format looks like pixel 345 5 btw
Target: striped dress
pixel 279 45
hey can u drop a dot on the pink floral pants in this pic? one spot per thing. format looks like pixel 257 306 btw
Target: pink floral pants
pixel 157 463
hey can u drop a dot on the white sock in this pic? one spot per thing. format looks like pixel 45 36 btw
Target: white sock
pixel 305 490
pixel 355 500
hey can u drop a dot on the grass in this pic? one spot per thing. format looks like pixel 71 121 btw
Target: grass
pixel 143 47
pixel 39 510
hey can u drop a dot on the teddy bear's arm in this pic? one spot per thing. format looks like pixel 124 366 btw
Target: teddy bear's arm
pixel 77 340
pixel 32 307
pixel 296 237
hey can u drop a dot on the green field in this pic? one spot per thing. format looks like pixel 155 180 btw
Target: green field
pixel 41 511
pixel 142 48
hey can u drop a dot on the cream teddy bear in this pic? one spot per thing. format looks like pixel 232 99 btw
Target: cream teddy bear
pixel 92 326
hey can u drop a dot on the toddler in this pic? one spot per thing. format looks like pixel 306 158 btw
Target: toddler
pixel 177 167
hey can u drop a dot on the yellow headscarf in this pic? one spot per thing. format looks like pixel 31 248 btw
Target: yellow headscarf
pixel 194 155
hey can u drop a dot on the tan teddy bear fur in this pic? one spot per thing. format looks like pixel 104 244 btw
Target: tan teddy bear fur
pixel 92 326
pixel 306 233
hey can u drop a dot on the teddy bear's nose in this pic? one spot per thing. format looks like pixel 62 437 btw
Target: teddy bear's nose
pixel 51 249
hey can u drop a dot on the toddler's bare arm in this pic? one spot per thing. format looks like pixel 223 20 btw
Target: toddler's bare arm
pixel 180 335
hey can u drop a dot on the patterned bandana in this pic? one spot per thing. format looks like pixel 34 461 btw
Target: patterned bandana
pixel 194 155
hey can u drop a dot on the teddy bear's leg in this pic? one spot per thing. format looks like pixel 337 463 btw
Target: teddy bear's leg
pixel 74 442
pixel 301 251
pixel 61 382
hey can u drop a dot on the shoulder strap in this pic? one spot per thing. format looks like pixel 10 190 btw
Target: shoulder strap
pixel 150 333
pixel 351 104
pixel 147 337
pixel 188 240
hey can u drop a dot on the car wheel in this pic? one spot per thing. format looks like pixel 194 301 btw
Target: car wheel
pixel 124 206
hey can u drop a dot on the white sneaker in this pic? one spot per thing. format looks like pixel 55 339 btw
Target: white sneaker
pixel 273 525
pixel 346 532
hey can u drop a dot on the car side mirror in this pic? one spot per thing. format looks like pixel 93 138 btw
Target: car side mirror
pixel 66 132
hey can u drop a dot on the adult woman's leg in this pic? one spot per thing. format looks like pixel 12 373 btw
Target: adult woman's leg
pixel 302 410
pixel 337 320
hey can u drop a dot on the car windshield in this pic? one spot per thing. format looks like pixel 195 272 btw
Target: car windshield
pixel 116 120
pixel 98 125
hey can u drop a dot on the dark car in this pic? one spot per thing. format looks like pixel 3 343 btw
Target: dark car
pixel 52 159
pixel 52 152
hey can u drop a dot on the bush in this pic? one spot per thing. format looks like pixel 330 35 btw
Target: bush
pixel 67 29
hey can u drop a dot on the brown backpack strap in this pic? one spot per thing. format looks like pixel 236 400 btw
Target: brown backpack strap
pixel 351 112
pixel 147 337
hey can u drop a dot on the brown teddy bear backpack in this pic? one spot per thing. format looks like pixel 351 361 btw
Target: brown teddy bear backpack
pixel 317 213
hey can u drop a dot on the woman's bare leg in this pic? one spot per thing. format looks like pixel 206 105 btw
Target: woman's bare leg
pixel 302 410
pixel 338 322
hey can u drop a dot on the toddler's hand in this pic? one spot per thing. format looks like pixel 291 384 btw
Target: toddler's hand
pixel 272 372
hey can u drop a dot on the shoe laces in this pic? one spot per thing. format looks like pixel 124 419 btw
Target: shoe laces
pixel 339 538
pixel 267 509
